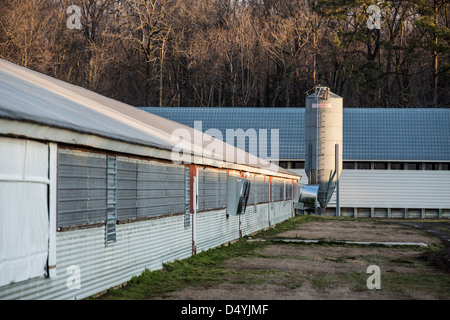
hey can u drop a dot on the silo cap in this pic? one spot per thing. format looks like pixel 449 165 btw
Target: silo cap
pixel 321 92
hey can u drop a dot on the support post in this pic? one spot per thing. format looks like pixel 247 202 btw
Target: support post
pixel 338 209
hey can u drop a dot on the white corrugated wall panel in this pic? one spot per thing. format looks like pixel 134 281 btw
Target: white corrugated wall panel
pixel 428 189
pixel 213 228
pixel 263 212
pixel 254 220
pixel 282 211
pixel 394 189
pixel 275 212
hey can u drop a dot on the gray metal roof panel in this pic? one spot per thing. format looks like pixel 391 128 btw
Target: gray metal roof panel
pixel 369 133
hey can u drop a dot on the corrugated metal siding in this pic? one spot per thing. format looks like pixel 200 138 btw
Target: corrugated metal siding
pixel 139 246
pixel 126 188
pixel 289 190
pixel 394 189
pixel 144 188
pixel 161 189
pixel 263 211
pixel 215 228
pixel 148 188
pixel 254 219
pixel 81 187
pixel 281 211
pixel 145 244
pixel 212 189
pixel 277 189
pixel 263 187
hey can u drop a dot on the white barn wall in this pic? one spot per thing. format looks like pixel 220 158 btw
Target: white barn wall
pixel 395 189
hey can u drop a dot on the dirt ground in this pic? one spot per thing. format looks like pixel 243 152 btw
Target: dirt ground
pixel 334 230
pixel 440 230
pixel 282 271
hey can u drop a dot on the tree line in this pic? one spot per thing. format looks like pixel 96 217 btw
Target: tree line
pixel 236 53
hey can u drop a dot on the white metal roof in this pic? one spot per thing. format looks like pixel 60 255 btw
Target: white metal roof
pixel 37 106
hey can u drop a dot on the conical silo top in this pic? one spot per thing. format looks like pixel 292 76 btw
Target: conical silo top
pixel 322 93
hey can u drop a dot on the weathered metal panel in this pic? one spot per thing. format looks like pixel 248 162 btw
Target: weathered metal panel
pixel 277 189
pixel 214 228
pixel 431 213
pixel 254 219
pixel 263 189
pixel 363 212
pixel 161 188
pixel 149 188
pixel 445 214
pixel 380 213
pixel 347 212
pixel 281 211
pixel 414 213
pixel 397 213
pixel 81 187
pixel 263 212
pixel 212 188
pixel 126 188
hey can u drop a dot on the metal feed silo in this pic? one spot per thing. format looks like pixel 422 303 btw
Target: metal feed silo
pixel 323 140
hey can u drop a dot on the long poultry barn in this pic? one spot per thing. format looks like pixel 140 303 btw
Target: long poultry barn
pixel 94 191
